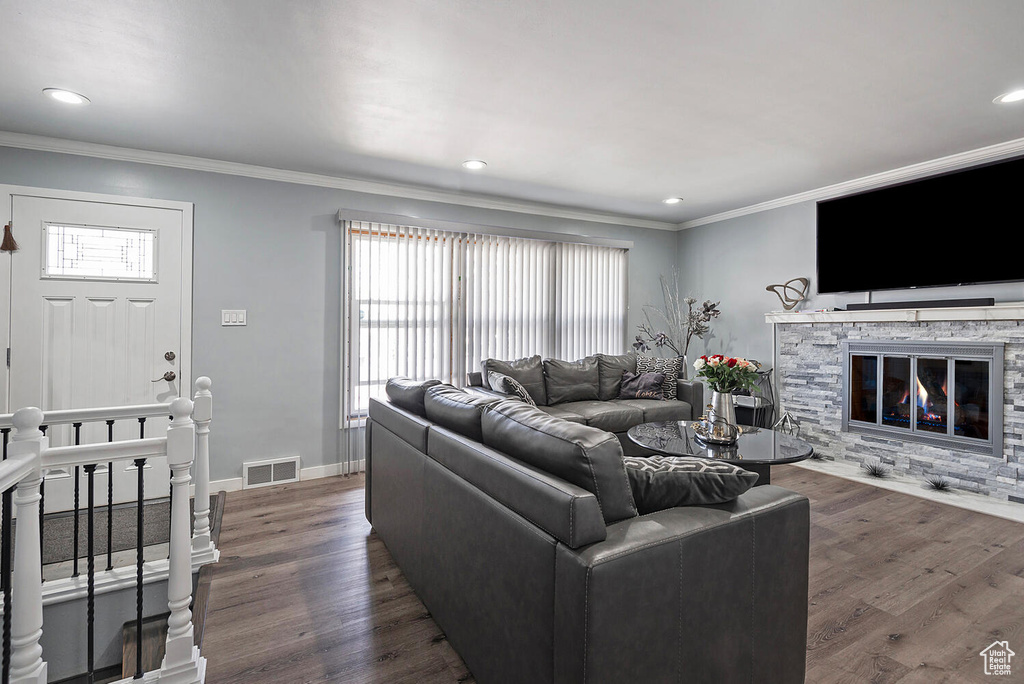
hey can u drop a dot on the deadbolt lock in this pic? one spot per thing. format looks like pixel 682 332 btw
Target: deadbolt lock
pixel 169 356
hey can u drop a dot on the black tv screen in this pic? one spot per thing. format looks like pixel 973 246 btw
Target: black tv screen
pixel 959 228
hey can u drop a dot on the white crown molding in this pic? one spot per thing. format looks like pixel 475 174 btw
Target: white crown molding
pixel 928 168
pixel 45 144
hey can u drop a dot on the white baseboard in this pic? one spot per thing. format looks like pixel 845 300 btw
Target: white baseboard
pixel 234 484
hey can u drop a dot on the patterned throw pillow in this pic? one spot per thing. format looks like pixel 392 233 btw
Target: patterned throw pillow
pixel 670 367
pixel 503 383
pixel 660 482
pixel 642 386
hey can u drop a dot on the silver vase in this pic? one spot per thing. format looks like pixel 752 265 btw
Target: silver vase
pixel 722 415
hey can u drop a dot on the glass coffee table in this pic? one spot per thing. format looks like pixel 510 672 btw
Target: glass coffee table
pixel 756 450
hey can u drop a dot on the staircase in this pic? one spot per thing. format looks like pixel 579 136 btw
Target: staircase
pixel 112 585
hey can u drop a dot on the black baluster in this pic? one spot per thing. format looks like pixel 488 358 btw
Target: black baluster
pixel 5 570
pixel 42 508
pixel 140 465
pixel 90 471
pixel 78 436
pixel 42 497
pixel 110 502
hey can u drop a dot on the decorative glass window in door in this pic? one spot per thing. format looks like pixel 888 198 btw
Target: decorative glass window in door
pixel 99 253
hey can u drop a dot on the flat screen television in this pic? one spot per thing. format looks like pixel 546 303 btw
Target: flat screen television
pixel 964 227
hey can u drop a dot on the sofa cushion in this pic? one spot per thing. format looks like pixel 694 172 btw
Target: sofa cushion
pixel 500 382
pixel 642 386
pixel 564 414
pixel 606 415
pixel 408 394
pixel 571 380
pixel 565 511
pixel 528 372
pixel 457 410
pixel 610 370
pixel 663 409
pixel 660 482
pixel 670 367
pixel 585 456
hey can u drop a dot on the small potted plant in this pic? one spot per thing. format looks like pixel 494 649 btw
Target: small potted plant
pixel 681 326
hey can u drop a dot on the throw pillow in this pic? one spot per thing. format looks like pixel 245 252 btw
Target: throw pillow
pixel 660 482
pixel 571 380
pixel 642 386
pixel 503 383
pixel 670 367
pixel 528 372
pixel 610 370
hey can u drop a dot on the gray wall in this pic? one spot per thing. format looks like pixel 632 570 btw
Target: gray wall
pixel 734 260
pixel 274 249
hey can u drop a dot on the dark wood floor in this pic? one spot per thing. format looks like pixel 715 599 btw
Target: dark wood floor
pixel 901 590
pixel 306 592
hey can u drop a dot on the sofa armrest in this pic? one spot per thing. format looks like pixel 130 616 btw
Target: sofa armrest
pixel 719 591
pixel 692 392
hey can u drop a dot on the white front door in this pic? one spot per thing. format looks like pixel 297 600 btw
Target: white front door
pixel 97 316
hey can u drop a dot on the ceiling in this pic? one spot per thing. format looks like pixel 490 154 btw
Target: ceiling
pixel 600 105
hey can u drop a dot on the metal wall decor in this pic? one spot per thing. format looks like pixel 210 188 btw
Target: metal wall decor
pixel 790 294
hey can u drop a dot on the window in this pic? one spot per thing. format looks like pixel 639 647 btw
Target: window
pixel 99 253
pixel 425 303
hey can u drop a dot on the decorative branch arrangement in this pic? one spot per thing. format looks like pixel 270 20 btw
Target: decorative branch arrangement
pixel 680 326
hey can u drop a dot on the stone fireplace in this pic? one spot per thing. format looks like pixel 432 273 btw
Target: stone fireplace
pixel 929 392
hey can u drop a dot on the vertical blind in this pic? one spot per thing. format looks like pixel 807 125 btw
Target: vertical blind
pixel 424 303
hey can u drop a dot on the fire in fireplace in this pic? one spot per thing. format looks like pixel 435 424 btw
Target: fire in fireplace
pixel 939 392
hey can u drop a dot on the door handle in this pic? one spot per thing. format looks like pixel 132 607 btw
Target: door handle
pixel 169 376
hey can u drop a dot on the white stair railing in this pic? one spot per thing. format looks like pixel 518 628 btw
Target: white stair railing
pixel 29 457
pixel 22 469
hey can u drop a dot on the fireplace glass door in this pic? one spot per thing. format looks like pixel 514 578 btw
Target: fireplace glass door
pixel 971 399
pixel 924 393
pixel 864 380
pixel 896 405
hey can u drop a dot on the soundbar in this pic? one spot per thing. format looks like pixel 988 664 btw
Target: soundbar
pixel 926 304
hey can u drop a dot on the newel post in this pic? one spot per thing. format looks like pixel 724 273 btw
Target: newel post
pixel 182 662
pixel 202 414
pixel 27 665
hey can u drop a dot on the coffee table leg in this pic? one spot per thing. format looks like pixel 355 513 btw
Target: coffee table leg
pixel 763 470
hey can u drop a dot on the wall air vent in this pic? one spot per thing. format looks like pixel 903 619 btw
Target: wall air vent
pixel 270 472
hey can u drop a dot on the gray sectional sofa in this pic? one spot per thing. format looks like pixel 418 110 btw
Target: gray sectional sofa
pixel 550 380
pixel 519 532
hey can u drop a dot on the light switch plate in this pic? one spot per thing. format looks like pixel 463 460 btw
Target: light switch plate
pixel 232 316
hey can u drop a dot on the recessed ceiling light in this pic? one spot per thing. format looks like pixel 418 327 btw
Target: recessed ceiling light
pixel 672 200
pixel 66 96
pixel 474 164
pixel 1012 96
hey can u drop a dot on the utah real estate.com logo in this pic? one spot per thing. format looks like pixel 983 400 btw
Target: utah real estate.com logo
pixel 997 658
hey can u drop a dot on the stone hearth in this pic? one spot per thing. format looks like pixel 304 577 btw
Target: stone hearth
pixel 809 375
